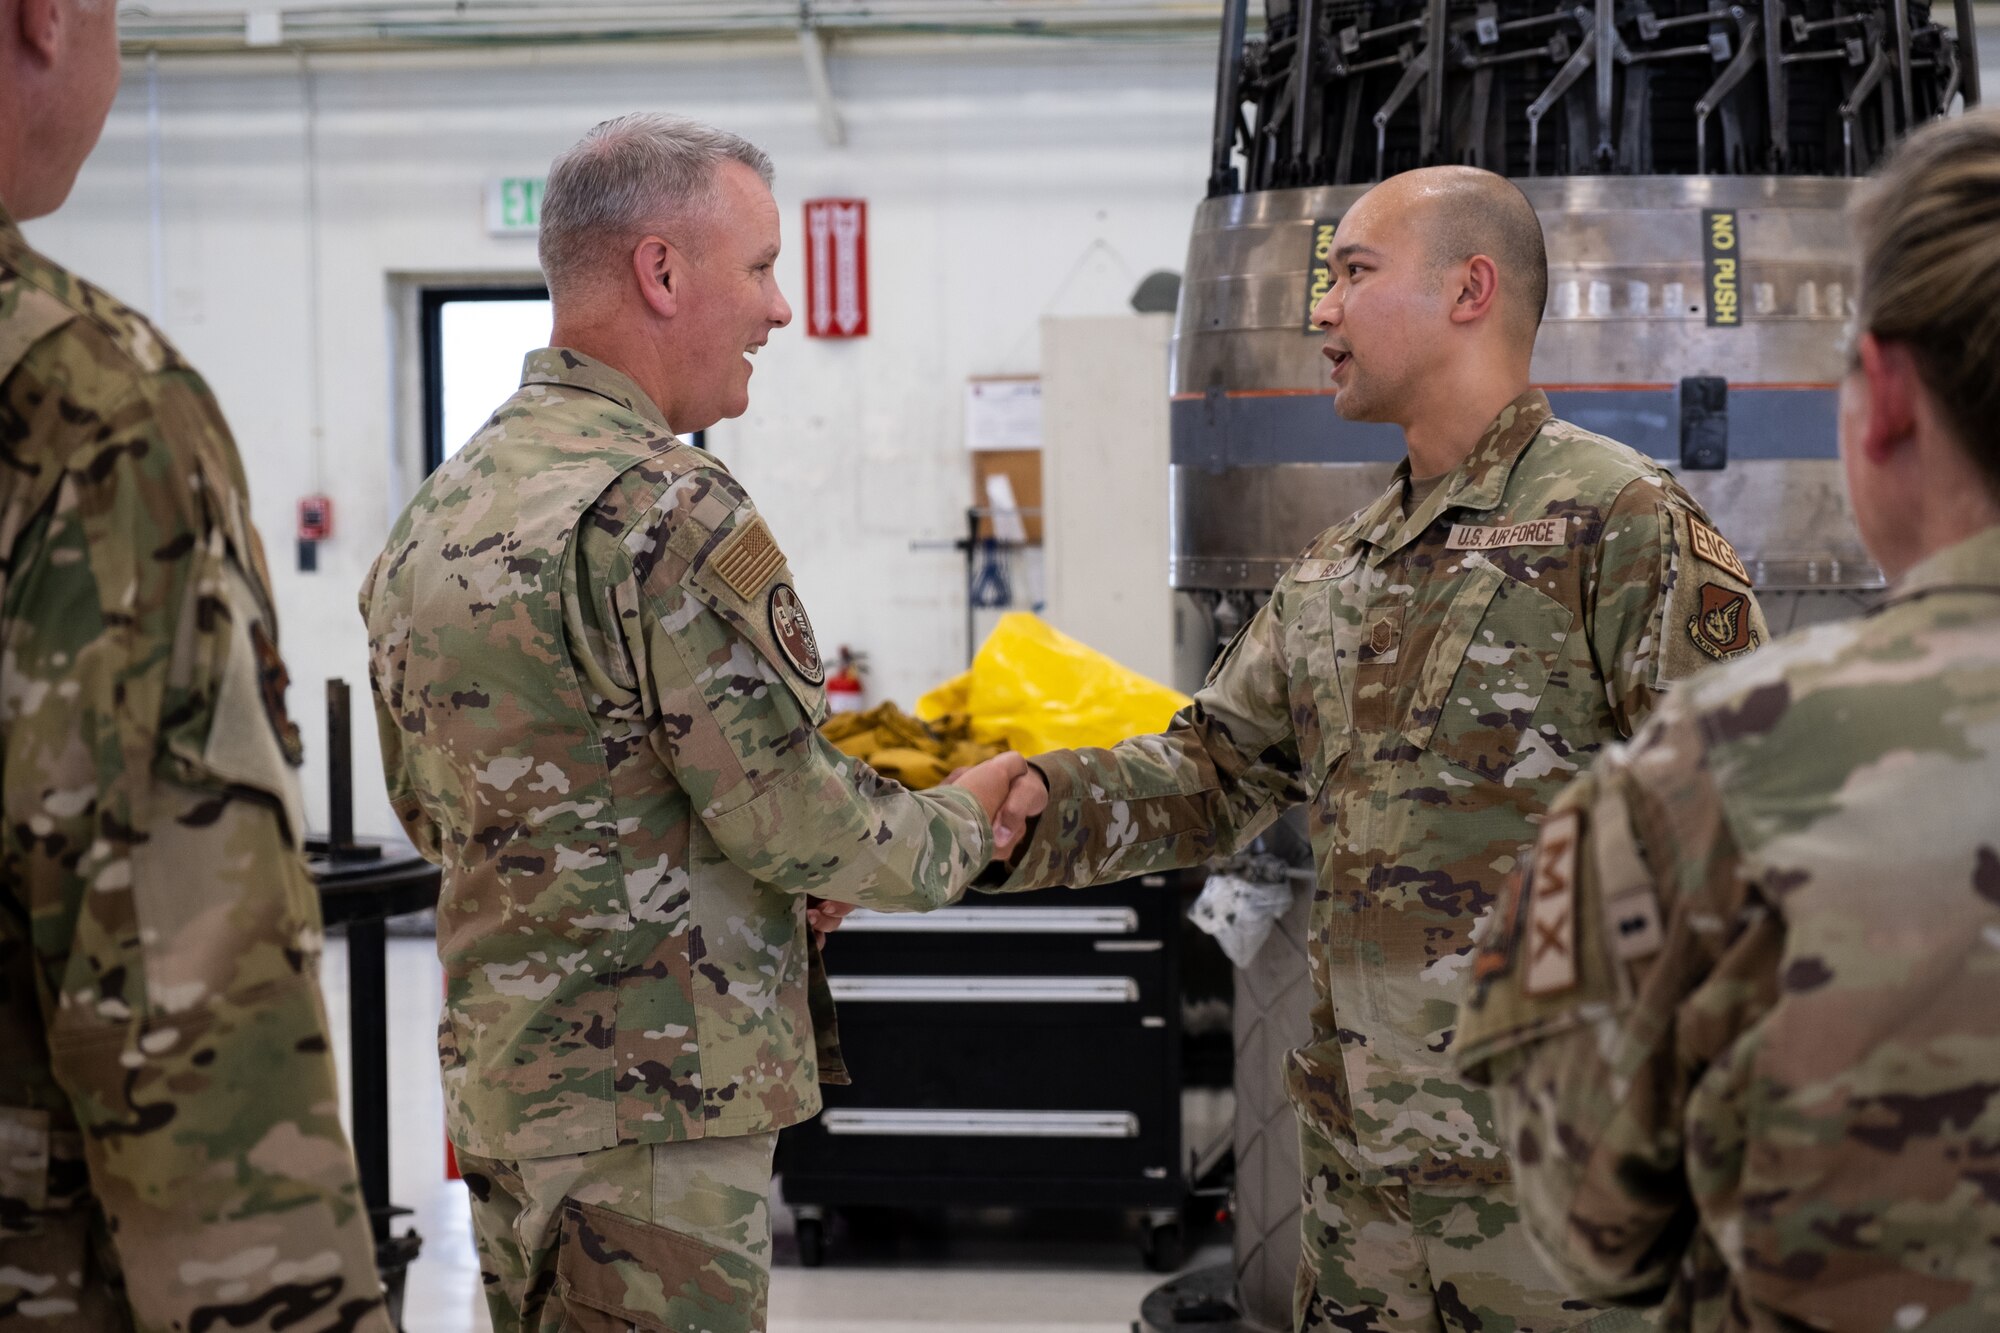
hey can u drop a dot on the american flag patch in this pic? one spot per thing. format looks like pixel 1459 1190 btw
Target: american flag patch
pixel 748 559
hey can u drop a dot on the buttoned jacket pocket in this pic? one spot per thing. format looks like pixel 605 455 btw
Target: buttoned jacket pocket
pixel 1483 679
pixel 1321 643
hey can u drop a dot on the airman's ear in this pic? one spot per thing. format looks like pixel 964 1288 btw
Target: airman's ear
pixel 660 270
pixel 1478 280
pixel 1893 386
pixel 39 25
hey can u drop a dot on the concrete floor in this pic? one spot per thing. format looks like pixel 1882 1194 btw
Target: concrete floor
pixel 970 1273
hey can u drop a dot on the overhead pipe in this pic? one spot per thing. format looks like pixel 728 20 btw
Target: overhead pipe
pixel 446 23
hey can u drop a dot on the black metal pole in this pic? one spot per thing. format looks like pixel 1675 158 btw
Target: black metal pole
pixel 339 768
pixel 1302 89
pixel 368 1056
pixel 1228 93
pixel 971 582
pixel 1968 53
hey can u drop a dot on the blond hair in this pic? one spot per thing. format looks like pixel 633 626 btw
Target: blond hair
pixel 1928 227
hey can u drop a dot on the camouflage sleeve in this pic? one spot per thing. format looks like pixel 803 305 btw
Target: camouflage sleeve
pixel 1216 778
pixel 421 829
pixel 1596 1004
pixel 1670 597
pixel 152 831
pixel 734 715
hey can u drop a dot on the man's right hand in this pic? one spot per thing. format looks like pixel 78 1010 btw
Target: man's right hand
pixel 1010 792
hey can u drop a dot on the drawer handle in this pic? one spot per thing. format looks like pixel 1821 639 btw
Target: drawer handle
pixel 987 990
pixel 999 921
pixel 1129 946
pixel 985 1124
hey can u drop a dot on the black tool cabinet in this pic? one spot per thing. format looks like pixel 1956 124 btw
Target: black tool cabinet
pixel 1019 1050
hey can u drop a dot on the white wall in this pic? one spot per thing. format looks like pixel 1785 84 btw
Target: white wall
pixel 1007 180
pixel 1104 471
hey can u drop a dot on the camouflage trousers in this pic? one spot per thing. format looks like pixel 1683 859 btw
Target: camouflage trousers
pixel 1418 1259
pixel 58 1272
pixel 662 1237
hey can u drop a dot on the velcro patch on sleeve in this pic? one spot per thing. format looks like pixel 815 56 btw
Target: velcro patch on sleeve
pixel 748 559
pixel 1722 625
pixel 1713 547
pixel 1537 532
pixel 1551 940
pixel 1631 901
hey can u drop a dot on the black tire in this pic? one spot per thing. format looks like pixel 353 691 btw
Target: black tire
pixel 811 1233
pixel 1165 1247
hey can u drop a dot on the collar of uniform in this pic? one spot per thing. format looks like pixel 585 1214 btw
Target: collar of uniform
pixel 560 365
pixel 1479 482
pixel 1973 563
pixel 10 230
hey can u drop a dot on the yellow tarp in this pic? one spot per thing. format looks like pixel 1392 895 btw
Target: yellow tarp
pixel 1035 689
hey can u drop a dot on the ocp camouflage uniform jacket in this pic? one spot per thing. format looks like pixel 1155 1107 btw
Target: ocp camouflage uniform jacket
pixel 1426 684
pixel 1769 1074
pixel 171 1155
pixel 597 696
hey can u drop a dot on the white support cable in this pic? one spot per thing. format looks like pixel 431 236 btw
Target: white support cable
pixel 315 373
pixel 813 50
pixel 156 191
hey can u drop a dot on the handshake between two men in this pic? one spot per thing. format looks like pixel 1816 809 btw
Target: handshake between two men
pixel 1010 793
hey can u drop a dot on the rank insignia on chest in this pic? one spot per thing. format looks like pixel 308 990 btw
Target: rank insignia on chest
pixel 1551 908
pixel 1721 625
pixel 794 633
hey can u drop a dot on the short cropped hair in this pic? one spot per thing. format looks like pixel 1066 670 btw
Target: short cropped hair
pixel 624 178
pixel 1928 228
pixel 1477 212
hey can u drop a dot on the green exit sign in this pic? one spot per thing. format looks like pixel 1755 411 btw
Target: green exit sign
pixel 514 205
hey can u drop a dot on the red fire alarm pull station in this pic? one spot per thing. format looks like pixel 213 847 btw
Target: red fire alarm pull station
pixel 315 518
pixel 315 526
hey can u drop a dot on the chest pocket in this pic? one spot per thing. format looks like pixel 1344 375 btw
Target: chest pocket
pixel 1483 680
pixel 1322 641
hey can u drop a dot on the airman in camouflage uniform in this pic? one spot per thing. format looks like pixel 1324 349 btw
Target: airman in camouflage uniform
pixel 598 696
pixel 1424 679
pixel 1740 1017
pixel 171 1155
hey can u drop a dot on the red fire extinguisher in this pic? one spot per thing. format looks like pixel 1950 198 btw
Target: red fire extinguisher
pixel 843 684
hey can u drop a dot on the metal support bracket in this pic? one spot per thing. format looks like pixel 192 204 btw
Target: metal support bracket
pixel 813 50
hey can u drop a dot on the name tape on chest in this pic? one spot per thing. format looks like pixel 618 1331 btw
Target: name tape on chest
pixel 748 559
pixel 1551 942
pixel 1713 547
pixel 1535 532
pixel 1314 570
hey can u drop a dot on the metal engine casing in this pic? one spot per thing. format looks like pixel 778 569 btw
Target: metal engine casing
pixel 1261 464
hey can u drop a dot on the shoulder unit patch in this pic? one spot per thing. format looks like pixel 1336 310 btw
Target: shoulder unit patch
pixel 1551 913
pixel 794 634
pixel 1713 547
pixel 1721 627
